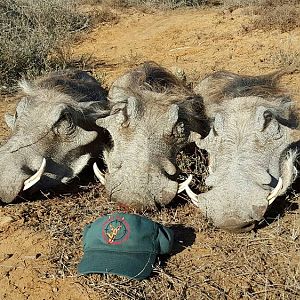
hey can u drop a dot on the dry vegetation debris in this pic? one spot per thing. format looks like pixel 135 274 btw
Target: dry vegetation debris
pixel 205 264
pixel 35 35
pixel 31 32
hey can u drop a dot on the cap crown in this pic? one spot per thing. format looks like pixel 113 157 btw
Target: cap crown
pixel 129 233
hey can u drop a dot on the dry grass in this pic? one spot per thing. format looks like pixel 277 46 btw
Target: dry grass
pixel 205 263
pixel 103 15
pixel 284 17
pixel 288 54
pixel 259 3
pixel 285 59
pixel 132 59
pixel 191 160
pixel 34 34
pixel 168 4
pixel 31 34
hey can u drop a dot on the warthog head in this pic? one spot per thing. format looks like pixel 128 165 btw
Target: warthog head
pixel 251 155
pixel 52 133
pixel 151 118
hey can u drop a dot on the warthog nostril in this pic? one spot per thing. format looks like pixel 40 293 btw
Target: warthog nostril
pixel 259 211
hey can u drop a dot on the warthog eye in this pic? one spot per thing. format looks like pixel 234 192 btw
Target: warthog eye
pixel 268 116
pixel 271 127
pixel 65 125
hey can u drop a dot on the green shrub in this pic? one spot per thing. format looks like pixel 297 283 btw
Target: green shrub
pixel 31 32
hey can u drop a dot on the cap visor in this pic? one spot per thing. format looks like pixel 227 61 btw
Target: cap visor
pixel 132 265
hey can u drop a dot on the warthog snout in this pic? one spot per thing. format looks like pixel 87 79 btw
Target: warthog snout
pixel 148 185
pixel 17 175
pixel 237 223
pixel 235 207
pixel 159 195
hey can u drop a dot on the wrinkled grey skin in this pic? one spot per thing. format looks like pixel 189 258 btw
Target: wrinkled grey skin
pixel 152 116
pixel 249 146
pixel 53 120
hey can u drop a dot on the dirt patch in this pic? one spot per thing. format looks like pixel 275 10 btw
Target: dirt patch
pixel 41 245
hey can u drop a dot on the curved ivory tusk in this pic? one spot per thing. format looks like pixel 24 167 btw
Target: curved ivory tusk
pixel 28 183
pixel 185 186
pixel 295 173
pixel 99 174
pixel 192 195
pixel 275 192
pixel 182 186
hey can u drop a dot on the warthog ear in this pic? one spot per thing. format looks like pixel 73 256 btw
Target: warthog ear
pixel 217 127
pixel 10 120
pixel 21 106
pixel 171 118
pixel 121 114
pixel 115 119
pixel 218 124
pixel 173 113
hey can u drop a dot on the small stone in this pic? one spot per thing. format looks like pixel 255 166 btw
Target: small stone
pixel 5 220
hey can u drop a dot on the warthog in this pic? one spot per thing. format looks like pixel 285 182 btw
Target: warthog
pixel 250 146
pixel 53 132
pixel 151 118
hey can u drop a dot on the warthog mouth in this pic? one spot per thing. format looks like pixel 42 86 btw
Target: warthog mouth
pixel 101 175
pixel 184 186
pixel 31 181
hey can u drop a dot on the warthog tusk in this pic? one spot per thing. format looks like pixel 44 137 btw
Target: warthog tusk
pixel 295 173
pixel 35 177
pixel 183 185
pixel 192 195
pixel 275 192
pixel 99 174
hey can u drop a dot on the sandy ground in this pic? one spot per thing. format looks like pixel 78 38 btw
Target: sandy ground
pixel 38 259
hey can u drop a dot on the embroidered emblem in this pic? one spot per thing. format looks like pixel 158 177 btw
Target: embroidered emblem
pixel 115 231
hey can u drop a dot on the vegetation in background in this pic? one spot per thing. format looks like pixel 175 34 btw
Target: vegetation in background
pixel 32 33
pixel 279 14
pixel 35 35
pixel 153 3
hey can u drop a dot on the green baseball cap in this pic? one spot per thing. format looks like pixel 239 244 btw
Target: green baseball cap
pixel 124 244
